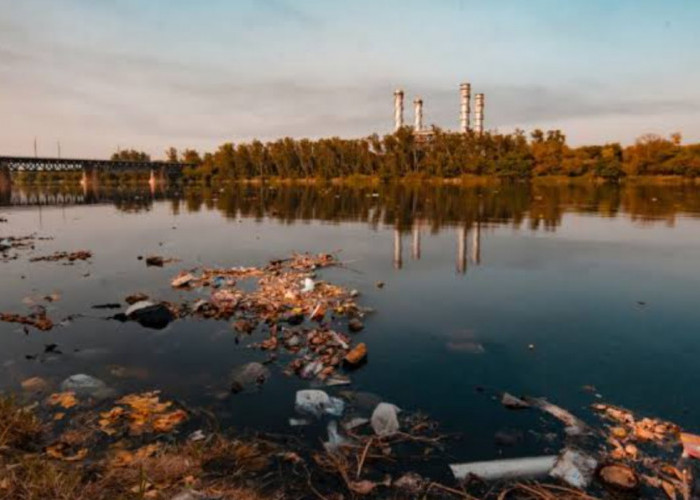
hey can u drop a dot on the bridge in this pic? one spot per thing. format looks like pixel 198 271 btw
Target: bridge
pixel 160 170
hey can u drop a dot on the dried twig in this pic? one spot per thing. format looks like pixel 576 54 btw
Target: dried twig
pixel 363 457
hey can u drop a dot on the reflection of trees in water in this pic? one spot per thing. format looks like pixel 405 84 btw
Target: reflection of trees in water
pixel 401 206
pixel 432 207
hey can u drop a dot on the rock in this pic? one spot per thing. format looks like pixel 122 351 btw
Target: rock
pixel 618 476
pixel 513 403
pixel 355 325
pixel 385 421
pixel 249 376
pixel 150 315
pixel 317 403
pixel 574 468
pixel 35 384
pixel 361 400
pixel 86 385
pixel 357 356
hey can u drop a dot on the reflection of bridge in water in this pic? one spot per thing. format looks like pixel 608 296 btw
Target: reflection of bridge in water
pixel 461 234
pixel 134 197
pixel 160 172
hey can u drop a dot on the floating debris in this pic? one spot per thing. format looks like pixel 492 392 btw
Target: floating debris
pixel 513 403
pixel 385 421
pixel 158 261
pixel 317 403
pixel 510 468
pixel 86 385
pixel 249 376
pixel 69 256
pixel 38 319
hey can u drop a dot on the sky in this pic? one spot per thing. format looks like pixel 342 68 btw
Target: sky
pixel 97 75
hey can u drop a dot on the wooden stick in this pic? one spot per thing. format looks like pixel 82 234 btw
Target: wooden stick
pixel 363 457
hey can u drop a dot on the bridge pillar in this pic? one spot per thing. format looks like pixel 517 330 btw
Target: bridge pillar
pixel 5 178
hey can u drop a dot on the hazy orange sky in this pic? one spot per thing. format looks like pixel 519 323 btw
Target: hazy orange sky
pixel 126 73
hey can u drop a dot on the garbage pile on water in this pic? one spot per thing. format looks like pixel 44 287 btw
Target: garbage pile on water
pixel 621 455
pixel 311 320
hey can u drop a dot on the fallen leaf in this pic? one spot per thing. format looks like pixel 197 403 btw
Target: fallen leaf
pixel 62 399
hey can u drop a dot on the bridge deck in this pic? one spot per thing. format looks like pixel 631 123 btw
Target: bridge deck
pixel 28 163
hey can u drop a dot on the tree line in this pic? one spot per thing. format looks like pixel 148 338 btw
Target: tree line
pixel 437 154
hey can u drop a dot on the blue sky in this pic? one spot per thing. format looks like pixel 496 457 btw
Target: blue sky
pixel 149 74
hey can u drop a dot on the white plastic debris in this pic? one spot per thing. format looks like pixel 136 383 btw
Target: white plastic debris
pixel 384 420
pixel 312 369
pixel 574 425
pixel 511 468
pixel 317 403
pixel 197 435
pixel 574 468
pixel 308 285
pixel 182 280
pixel 334 438
pixel 137 306
pixel 86 385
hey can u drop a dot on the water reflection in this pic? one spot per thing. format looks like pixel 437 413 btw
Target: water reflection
pixel 407 208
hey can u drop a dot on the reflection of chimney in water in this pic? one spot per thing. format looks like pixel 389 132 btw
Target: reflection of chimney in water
pixel 461 250
pixel 398 258
pixel 415 247
pixel 398 109
pixel 465 92
pixel 476 242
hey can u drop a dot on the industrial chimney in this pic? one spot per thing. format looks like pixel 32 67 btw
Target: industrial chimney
pixel 479 114
pixel 418 106
pixel 465 94
pixel 398 109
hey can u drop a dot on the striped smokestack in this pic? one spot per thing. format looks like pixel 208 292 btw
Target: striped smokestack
pixel 418 106
pixel 465 94
pixel 479 114
pixel 398 109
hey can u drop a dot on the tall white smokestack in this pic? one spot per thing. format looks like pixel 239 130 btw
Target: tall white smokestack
pixel 465 94
pixel 479 114
pixel 418 105
pixel 398 109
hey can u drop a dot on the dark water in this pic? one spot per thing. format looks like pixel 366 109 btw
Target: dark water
pixel 601 280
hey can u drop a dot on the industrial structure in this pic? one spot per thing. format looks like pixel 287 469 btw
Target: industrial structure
pixel 465 90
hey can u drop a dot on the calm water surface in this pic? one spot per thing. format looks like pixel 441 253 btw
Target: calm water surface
pixel 533 290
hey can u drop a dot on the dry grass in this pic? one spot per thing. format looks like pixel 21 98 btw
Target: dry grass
pixel 216 467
